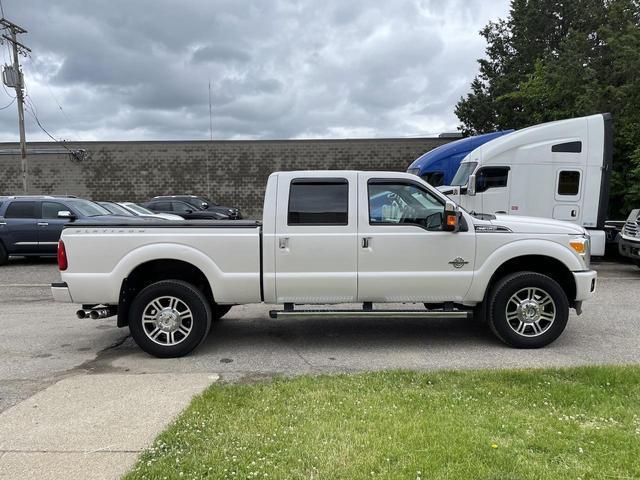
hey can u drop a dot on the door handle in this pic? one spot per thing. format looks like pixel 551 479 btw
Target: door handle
pixel 365 242
pixel 283 242
pixel 574 213
pixel 42 224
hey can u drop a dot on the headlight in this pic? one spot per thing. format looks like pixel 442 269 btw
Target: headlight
pixel 582 246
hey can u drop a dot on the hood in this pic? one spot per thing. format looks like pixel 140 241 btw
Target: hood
pixel 520 224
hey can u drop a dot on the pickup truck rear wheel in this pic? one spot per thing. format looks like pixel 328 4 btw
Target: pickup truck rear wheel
pixel 169 318
pixel 528 310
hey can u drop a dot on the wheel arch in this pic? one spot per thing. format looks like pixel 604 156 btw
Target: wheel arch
pixel 543 264
pixel 156 270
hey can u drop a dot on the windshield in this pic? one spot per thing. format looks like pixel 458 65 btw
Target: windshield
pixel 87 208
pixel 138 209
pixel 462 175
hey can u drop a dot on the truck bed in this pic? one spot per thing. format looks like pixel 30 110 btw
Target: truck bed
pixel 100 255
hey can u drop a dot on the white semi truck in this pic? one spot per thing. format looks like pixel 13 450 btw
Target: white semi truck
pixel 556 170
pixel 330 237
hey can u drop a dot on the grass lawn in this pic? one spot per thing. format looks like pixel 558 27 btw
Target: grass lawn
pixel 530 424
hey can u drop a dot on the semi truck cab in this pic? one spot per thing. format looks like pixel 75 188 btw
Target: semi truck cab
pixel 556 170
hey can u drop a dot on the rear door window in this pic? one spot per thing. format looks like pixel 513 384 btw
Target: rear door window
pixel 21 210
pixel 318 201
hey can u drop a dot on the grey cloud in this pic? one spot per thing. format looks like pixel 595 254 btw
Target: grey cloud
pixel 141 69
pixel 220 53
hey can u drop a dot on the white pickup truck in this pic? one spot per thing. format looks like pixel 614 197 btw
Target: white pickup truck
pixel 330 237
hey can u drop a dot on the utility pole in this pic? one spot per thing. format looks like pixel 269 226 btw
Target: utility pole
pixel 12 77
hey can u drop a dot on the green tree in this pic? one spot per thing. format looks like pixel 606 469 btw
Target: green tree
pixel 552 60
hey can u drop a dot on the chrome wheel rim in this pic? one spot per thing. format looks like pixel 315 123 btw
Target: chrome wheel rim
pixel 167 321
pixel 530 312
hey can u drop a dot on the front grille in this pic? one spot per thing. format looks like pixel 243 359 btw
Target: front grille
pixel 631 229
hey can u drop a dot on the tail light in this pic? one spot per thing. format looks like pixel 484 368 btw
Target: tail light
pixel 62 256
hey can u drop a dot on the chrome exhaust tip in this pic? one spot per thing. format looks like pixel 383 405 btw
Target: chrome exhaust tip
pixel 102 313
pixel 83 313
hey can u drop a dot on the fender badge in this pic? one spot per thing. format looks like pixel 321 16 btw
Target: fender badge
pixel 458 262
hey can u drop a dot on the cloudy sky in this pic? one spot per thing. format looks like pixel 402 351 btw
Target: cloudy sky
pixel 140 69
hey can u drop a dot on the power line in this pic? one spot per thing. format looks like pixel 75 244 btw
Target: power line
pixel 31 108
pixel 8 104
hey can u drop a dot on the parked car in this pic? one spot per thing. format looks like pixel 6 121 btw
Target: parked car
pixel 126 211
pixel 184 209
pixel 629 239
pixel 140 211
pixel 116 209
pixel 320 243
pixel 201 203
pixel 31 225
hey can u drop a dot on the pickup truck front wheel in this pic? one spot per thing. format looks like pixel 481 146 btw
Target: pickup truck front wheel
pixel 169 318
pixel 528 310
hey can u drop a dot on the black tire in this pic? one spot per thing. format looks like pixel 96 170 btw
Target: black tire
pixel 637 262
pixel 199 322
pixel 219 311
pixel 4 256
pixel 511 285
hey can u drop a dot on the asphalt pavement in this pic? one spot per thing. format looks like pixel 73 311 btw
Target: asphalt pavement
pixel 43 342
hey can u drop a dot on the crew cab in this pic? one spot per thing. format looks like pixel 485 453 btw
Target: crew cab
pixel 331 237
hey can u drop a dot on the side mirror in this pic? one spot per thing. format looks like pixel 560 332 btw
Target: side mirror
pixel 205 205
pixel 66 214
pixel 471 186
pixel 451 218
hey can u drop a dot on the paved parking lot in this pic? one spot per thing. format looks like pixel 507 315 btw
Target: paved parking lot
pixel 42 341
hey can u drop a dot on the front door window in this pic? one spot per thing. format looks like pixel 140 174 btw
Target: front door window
pixel 404 203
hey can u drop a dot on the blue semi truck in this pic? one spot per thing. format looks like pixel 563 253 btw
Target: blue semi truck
pixel 439 165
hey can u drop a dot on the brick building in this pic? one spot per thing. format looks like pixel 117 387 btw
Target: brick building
pixel 229 172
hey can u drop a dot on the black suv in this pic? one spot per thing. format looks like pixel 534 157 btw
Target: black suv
pixel 31 225
pixel 201 203
pixel 184 209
